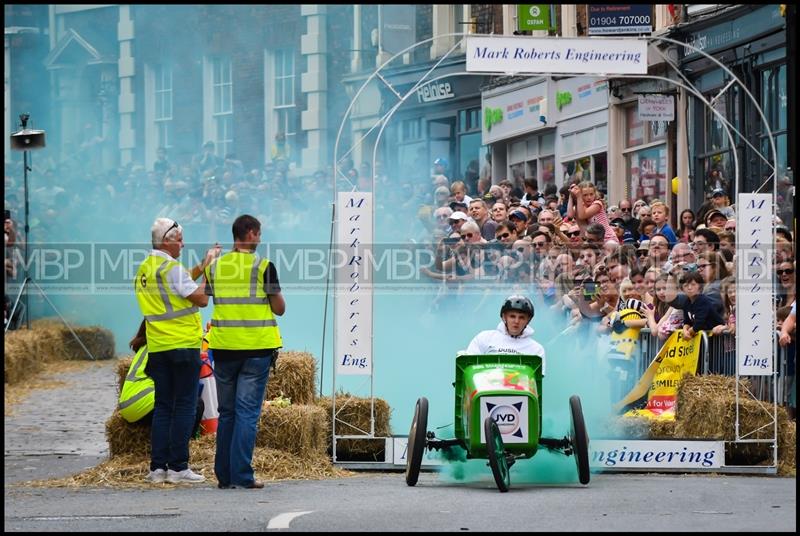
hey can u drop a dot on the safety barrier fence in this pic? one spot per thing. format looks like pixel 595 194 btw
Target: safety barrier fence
pixel 718 356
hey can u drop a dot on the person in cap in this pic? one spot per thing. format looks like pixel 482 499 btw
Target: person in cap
pixel 440 166
pixel 716 219
pixel 456 206
pixel 721 202
pixel 520 221
pixel 513 333
pixel 624 236
pixel 456 221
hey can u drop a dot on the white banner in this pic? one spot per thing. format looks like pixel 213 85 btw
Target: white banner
pixel 353 284
pixel 654 455
pixel 562 55
pixel 755 313
pixel 656 108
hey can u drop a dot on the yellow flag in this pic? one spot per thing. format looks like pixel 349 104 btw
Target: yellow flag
pixel 677 357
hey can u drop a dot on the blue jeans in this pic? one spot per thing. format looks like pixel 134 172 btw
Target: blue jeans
pixel 176 374
pixel 240 393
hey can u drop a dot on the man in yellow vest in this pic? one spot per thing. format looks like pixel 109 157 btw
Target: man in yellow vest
pixel 244 339
pixel 169 299
pixel 137 397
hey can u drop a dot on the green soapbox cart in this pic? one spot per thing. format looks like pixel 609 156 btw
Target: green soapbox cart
pixel 498 417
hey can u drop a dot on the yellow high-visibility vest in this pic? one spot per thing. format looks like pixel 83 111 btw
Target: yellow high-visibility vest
pixel 137 397
pixel 172 321
pixel 242 317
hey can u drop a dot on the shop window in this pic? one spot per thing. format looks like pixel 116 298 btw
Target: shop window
pixel 222 101
pixel 647 174
pixel 592 168
pixel 642 132
pixel 547 171
pixel 533 157
pixel 163 104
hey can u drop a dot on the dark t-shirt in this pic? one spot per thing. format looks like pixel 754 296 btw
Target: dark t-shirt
pixel 272 286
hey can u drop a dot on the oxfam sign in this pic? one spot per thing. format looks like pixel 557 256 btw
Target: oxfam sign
pixel 533 17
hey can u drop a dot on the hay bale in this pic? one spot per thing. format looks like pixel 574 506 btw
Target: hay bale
pixel 706 409
pixel 353 418
pixel 127 439
pixel 59 343
pixel 294 377
pixel 298 429
pixel 23 356
pixel 27 349
pixel 662 429
pixel 787 448
pixel 640 428
pixel 123 364
pixel 98 340
pixel 129 471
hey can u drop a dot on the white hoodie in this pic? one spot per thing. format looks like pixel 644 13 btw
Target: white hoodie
pixel 498 341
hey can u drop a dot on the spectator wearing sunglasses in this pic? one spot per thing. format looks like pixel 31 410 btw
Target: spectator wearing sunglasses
pixel 786 283
pixel 506 233
pixel 169 300
pixel 631 223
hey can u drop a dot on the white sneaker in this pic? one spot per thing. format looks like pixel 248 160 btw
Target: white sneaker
pixel 158 476
pixel 187 475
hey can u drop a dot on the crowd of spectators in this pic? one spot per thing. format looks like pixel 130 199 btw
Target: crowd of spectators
pixel 570 249
pixel 581 256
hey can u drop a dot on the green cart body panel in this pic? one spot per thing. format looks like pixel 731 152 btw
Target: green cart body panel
pixel 508 388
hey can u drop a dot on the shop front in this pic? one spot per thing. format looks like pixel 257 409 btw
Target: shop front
pixel 519 126
pixel 440 119
pixel 751 41
pixel 582 105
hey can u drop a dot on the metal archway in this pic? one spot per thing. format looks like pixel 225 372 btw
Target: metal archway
pixel 686 85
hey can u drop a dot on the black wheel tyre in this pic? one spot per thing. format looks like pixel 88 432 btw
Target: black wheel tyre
pixel 416 441
pixel 497 454
pixel 579 439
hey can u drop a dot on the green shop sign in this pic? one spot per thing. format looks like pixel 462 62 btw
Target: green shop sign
pixel 533 17
pixel 492 116
pixel 563 98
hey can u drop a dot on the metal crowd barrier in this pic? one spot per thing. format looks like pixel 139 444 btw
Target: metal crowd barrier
pixel 718 356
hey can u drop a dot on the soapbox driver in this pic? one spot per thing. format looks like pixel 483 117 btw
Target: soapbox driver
pixel 498 401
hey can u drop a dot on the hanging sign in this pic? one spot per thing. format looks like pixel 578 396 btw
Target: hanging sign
pixel 620 19
pixel 656 108
pixel 524 54
pixel 533 17
pixel 755 311
pixel 353 289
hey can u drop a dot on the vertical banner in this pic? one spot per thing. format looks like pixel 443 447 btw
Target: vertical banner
pixel 755 313
pixel 353 284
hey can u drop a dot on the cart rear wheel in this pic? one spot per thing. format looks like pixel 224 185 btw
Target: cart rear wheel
pixel 416 441
pixel 497 454
pixel 579 439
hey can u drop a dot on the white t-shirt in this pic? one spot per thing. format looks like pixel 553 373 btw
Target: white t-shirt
pixel 498 341
pixel 180 281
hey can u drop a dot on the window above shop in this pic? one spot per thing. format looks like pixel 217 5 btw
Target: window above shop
pixel 638 132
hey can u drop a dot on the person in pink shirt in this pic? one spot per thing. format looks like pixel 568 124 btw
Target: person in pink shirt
pixel 584 205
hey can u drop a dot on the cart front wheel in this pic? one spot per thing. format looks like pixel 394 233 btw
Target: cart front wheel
pixel 579 439
pixel 497 454
pixel 416 441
